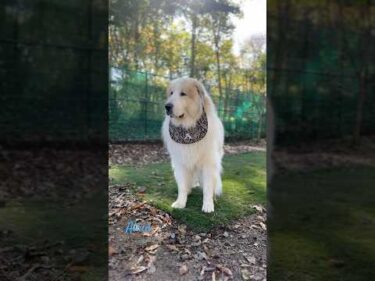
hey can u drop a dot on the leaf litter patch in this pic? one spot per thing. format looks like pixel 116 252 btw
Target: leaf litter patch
pixel 233 252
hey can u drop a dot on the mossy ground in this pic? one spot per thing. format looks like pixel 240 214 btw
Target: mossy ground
pixel 322 224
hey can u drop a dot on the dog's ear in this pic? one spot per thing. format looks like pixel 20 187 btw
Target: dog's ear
pixel 200 88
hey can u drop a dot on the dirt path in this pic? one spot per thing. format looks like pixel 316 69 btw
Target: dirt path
pixel 141 154
pixel 173 252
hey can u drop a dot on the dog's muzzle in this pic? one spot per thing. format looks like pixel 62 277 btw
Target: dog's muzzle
pixel 169 108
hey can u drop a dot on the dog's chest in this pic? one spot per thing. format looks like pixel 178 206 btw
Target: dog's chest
pixel 189 154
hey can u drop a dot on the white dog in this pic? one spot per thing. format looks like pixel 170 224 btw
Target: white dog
pixel 194 137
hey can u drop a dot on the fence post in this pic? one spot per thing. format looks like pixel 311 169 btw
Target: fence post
pixel 145 105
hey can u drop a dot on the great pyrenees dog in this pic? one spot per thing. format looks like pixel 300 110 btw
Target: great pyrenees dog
pixel 194 137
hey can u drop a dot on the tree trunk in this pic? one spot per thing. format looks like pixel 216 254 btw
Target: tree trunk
pixel 156 35
pixel 260 123
pixel 136 44
pixel 217 53
pixel 193 39
pixel 365 15
pixel 359 112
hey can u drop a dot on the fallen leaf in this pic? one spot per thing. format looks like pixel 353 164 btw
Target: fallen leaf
pixel 225 270
pixel 140 259
pixel 111 251
pixel 183 269
pixel 263 226
pixel 251 259
pixel 138 269
pixel 172 248
pixel 137 206
pixel 196 244
pixel 245 274
pixel 186 250
pixel 151 269
pixel 207 250
pixel 260 218
pixel 203 255
pixel 182 228
pixel 209 269
pixel 258 208
pixel 152 248
pixel 196 238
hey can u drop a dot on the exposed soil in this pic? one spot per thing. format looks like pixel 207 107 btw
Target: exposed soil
pixel 141 154
pixel 332 153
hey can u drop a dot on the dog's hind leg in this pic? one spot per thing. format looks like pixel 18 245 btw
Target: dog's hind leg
pixel 219 185
pixel 209 185
pixel 196 179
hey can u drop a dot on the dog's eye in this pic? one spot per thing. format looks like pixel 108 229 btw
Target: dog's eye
pixel 183 94
pixel 171 93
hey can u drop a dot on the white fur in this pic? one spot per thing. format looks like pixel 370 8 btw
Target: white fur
pixel 200 161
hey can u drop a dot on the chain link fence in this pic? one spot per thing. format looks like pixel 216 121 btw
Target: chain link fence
pixel 136 108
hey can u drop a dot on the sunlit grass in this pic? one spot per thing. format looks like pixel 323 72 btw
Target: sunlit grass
pixel 244 184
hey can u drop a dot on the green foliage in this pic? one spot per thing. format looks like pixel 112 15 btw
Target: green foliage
pixel 136 109
pixel 42 66
pixel 244 184
pixel 152 42
pixel 321 69
pixel 157 37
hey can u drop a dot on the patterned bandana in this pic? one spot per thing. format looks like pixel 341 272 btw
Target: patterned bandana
pixel 191 135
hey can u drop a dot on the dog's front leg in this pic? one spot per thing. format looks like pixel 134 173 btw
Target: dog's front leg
pixel 209 183
pixel 184 181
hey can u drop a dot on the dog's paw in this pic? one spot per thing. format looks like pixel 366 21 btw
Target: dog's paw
pixel 178 205
pixel 208 207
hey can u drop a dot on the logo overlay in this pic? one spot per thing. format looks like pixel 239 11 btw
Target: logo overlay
pixel 136 227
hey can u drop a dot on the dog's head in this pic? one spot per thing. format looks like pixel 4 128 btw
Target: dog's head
pixel 185 100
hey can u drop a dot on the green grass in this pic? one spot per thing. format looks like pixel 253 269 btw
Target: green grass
pixel 244 183
pixel 322 225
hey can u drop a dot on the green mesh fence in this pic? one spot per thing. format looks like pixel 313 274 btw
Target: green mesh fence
pixel 136 108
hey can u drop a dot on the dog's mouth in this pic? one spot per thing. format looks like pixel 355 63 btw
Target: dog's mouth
pixel 175 116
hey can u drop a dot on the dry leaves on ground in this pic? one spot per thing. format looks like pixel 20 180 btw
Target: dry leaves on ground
pixel 172 249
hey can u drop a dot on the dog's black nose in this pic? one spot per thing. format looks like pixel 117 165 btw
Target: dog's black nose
pixel 168 108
